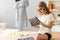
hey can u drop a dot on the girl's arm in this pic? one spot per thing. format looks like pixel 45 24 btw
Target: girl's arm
pixel 49 25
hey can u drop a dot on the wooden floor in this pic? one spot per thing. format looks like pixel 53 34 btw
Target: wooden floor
pixel 55 36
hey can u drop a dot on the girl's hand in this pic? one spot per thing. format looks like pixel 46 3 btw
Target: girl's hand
pixel 41 23
pixel 36 26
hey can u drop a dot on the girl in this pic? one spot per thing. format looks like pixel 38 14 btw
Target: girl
pixel 46 21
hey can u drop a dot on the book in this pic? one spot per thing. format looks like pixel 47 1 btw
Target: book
pixel 34 21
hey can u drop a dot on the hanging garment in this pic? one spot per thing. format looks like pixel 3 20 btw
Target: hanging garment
pixel 22 14
pixel 24 20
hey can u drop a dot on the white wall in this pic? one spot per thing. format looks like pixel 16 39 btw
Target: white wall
pixel 7 12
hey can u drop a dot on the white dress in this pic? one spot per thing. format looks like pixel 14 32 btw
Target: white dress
pixel 21 15
pixel 45 19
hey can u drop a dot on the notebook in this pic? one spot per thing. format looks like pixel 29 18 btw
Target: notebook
pixel 34 21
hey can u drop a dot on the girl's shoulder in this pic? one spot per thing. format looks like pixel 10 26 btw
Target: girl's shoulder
pixel 50 15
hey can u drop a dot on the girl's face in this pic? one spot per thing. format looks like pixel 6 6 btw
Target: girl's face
pixel 41 10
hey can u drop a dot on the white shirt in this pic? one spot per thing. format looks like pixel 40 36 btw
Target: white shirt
pixel 45 19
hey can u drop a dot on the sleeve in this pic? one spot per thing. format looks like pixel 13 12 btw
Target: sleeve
pixel 51 18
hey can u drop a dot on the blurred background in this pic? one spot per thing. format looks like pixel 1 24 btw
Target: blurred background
pixel 8 13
